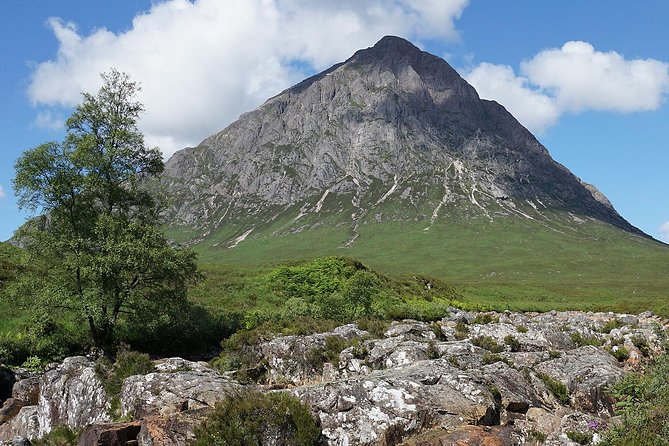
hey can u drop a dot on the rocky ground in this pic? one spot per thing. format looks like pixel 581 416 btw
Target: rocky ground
pixel 469 379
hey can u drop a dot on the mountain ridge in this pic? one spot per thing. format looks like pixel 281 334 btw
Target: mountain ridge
pixel 388 120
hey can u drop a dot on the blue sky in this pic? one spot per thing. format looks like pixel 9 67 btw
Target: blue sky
pixel 590 79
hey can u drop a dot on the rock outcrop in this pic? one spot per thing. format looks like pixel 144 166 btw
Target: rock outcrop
pixel 469 379
pixel 391 134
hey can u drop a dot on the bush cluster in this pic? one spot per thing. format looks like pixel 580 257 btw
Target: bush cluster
pixel 252 418
pixel 642 403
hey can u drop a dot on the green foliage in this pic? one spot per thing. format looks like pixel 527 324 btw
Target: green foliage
pixel 100 252
pixel 252 418
pixel 620 353
pixel 583 438
pixel 581 340
pixel 521 329
pixel 642 402
pixel 610 325
pixel 558 389
pixel 59 436
pixel 128 363
pixel 461 331
pixel 554 354
pixel 334 345
pixel 485 319
pixel 491 358
pixel 513 343
pixel 538 436
pixel 487 343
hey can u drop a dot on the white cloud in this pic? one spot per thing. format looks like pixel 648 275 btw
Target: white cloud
pixel 573 78
pixel 664 231
pixel 2 192
pixel 49 120
pixel 529 105
pixel 582 78
pixel 202 63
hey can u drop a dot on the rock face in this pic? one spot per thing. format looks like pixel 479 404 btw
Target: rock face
pixel 469 379
pixel 71 395
pixel 393 133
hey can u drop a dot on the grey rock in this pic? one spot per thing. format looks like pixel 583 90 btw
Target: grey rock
pixel 376 138
pixel 168 393
pixel 287 357
pixel 388 405
pixel 25 424
pixel 71 395
pixel 587 372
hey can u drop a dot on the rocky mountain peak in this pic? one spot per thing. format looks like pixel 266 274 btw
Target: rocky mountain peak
pixel 391 134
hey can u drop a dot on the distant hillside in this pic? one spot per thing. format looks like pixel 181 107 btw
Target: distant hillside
pixel 393 158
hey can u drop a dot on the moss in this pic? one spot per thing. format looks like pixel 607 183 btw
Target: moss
pixel 558 389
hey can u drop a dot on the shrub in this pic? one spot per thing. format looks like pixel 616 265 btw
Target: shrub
pixel 128 363
pixel 581 340
pixel 461 331
pixel 490 358
pixel 487 343
pixel 620 353
pixel 554 354
pixel 59 436
pixel 521 329
pixel 642 403
pixel 537 436
pixel 610 325
pixel 252 418
pixel 558 389
pixel 484 319
pixel 334 345
pixel 583 438
pixel 375 327
pixel 432 351
pixel 513 343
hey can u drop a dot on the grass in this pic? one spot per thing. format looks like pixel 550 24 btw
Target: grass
pixel 508 264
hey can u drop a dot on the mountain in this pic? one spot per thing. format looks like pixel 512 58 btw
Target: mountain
pixel 393 157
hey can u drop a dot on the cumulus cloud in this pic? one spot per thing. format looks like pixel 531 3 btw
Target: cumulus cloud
pixel 2 192
pixel 664 231
pixel 201 63
pixel 573 78
pixel 532 107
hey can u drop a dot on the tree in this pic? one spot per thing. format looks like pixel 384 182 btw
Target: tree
pixel 98 229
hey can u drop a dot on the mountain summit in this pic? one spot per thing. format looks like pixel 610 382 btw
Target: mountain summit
pixel 391 138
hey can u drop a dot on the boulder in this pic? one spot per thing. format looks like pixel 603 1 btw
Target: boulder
pixel 25 424
pixel 71 394
pixel 388 405
pixel 287 357
pixel 587 372
pixel 466 436
pixel 113 434
pixel 172 430
pixel 167 393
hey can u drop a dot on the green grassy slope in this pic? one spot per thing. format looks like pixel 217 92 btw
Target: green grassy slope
pixel 508 263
